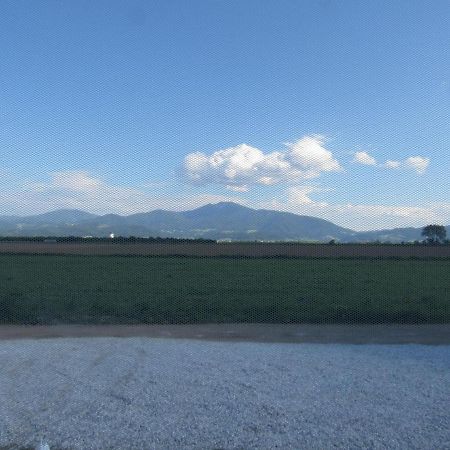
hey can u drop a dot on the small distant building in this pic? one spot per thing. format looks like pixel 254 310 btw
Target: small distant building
pixel 111 235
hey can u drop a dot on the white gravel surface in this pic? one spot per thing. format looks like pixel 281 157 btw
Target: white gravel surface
pixel 145 393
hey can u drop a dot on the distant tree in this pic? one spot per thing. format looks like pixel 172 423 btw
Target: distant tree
pixel 434 234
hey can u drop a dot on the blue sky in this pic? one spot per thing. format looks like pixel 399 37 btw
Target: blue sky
pixel 126 106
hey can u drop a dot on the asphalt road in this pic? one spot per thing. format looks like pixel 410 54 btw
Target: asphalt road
pixel 153 393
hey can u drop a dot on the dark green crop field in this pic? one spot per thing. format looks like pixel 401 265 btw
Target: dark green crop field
pixel 133 289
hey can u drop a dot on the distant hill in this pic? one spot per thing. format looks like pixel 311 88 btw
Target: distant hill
pixel 59 222
pixel 221 221
pixel 66 216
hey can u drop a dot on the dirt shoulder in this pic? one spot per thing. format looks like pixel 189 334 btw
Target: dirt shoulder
pixel 234 249
pixel 436 334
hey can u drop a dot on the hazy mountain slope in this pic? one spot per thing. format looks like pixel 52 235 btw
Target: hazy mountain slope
pixel 294 226
pixel 60 216
pixel 60 222
pixel 167 221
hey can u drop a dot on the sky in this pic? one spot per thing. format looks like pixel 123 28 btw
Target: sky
pixel 334 109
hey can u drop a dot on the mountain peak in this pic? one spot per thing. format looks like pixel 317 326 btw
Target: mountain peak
pixel 223 206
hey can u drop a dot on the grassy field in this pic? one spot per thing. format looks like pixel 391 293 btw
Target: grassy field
pixel 108 289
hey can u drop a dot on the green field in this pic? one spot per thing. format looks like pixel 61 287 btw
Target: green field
pixel 108 289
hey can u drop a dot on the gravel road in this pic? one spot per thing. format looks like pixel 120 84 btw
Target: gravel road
pixel 151 393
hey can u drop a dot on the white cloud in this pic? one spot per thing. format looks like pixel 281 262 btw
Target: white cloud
pixel 299 195
pixel 364 158
pixel 309 155
pixel 79 189
pixel 247 166
pixel 392 164
pixel 417 163
pixel 243 188
pixel 78 181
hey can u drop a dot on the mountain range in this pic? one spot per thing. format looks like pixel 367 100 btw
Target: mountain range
pixel 221 221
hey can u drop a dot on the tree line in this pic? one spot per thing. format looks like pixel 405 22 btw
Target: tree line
pixel 102 239
pixel 434 234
